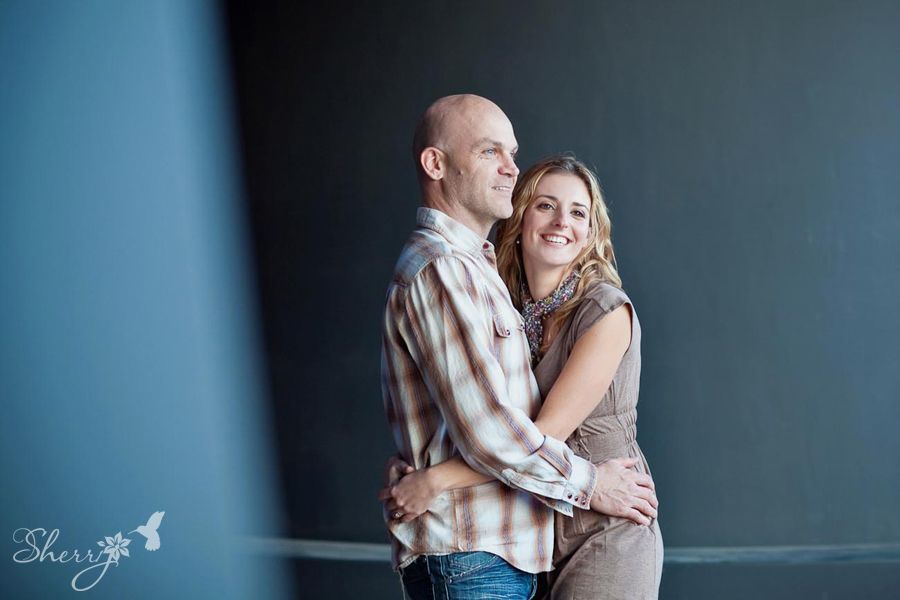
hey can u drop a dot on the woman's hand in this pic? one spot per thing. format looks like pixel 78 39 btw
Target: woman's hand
pixel 411 496
pixel 395 468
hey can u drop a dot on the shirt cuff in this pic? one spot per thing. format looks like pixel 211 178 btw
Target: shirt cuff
pixel 581 484
pixel 559 506
pixel 580 474
pixel 577 491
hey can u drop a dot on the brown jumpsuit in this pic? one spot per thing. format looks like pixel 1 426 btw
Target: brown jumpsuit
pixel 596 556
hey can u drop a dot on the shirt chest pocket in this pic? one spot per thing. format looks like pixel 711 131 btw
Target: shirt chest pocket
pixel 506 325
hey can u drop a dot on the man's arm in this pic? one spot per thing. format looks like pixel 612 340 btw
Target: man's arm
pixel 449 331
pixel 619 491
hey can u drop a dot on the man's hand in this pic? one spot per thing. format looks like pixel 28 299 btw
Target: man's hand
pixel 623 492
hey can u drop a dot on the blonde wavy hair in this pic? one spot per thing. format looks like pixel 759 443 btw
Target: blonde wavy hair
pixel 596 262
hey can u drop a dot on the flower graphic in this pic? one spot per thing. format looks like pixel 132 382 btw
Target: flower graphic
pixel 115 546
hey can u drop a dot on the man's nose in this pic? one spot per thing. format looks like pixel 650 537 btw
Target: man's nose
pixel 508 167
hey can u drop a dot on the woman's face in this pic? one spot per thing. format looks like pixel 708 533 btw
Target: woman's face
pixel 556 224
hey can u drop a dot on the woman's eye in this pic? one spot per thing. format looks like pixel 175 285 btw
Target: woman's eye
pixel 578 214
pixel 545 205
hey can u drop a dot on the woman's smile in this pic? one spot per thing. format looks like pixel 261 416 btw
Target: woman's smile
pixel 556 225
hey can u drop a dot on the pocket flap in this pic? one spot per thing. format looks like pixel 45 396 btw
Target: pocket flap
pixel 501 326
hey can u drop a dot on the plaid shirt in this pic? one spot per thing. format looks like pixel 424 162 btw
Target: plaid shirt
pixel 456 379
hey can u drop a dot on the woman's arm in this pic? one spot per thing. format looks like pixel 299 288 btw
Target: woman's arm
pixel 455 473
pixel 590 368
pixel 584 380
pixel 413 494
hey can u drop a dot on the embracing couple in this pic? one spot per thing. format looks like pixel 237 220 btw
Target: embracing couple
pixel 492 357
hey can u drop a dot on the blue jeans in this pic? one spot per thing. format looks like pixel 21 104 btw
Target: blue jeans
pixel 466 576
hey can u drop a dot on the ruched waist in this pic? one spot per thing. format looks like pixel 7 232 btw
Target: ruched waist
pixel 606 436
pixel 604 445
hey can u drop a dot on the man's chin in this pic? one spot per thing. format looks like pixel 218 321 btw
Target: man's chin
pixel 504 212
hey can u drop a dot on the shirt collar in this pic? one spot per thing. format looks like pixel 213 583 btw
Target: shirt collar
pixel 455 232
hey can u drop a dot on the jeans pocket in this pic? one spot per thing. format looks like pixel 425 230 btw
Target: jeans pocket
pixel 467 564
pixel 415 578
pixel 486 576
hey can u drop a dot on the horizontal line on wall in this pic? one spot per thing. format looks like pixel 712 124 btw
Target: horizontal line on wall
pixel 843 553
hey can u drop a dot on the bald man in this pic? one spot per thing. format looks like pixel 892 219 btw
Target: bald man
pixel 457 379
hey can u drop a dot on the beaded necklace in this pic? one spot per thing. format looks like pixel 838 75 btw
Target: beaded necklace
pixel 533 312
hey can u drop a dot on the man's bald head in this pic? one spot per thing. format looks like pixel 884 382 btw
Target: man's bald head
pixel 465 152
pixel 447 120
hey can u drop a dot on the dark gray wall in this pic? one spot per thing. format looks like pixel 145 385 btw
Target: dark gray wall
pixel 749 152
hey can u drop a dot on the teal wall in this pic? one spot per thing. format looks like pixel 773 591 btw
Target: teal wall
pixel 129 366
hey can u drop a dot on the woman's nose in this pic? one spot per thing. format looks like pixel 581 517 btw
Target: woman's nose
pixel 561 220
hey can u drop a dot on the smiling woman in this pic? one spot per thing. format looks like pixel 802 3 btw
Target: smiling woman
pixel 555 230
pixel 548 189
pixel 556 256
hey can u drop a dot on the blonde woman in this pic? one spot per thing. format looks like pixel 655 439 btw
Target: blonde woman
pixel 556 257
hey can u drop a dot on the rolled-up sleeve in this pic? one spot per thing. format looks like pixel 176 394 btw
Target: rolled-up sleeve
pixel 450 332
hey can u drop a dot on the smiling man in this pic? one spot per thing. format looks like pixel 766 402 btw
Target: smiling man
pixel 457 380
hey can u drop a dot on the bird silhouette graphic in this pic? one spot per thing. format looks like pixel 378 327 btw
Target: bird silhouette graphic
pixel 149 530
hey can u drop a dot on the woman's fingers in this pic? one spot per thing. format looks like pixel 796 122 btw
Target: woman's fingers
pixel 393 504
pixel 406 497
pixel 390 493
pixel 396 468
pixel 398 506
pixel 398 513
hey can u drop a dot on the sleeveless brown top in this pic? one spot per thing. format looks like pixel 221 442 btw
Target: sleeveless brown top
pixel 597 556
pixel 610 430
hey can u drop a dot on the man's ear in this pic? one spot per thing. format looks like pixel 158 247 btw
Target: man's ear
pixel 433 162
